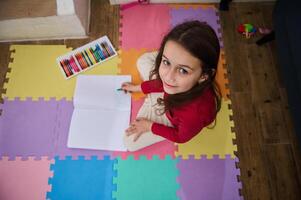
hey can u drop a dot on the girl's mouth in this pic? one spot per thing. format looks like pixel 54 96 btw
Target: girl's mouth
pixel 171 86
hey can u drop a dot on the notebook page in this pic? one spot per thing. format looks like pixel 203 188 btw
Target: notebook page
pixel 98 129
pixel 100 92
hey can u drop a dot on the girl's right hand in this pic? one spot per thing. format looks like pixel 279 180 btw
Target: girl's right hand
pixel 130 87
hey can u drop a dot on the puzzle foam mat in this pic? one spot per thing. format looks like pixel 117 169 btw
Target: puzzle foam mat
pixel 34 64
pixel 36 164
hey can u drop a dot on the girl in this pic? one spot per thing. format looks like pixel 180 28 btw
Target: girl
pixel 182 97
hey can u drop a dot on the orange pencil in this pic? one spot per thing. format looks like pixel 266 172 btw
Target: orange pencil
pixel 82 61
pixel 79 59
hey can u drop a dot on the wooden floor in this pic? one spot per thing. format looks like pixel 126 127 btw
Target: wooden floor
pixel 267 147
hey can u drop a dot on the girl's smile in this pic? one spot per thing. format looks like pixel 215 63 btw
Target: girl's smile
pixel 168 85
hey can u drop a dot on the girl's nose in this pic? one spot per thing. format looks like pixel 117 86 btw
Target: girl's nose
pixel 170 74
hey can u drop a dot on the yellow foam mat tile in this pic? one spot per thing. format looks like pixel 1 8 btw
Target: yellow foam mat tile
pixel 221 76
pixel 128 66
pixel 209 142
pixel 34 73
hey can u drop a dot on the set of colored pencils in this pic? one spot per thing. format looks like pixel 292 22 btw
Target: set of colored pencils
pixel 86 56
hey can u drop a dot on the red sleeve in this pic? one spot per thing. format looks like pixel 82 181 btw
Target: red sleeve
pixel 184 132
pixel 190 121
pixel 152 86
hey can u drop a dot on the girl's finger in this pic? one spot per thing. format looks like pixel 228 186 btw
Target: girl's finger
pixel 136 137
pixel 127 130
pixel 140 118
pixel 130 131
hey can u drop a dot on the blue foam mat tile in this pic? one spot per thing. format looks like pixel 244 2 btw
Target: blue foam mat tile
pixel 82 178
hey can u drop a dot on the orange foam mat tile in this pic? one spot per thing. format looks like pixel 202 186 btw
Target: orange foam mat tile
pixel 128 66
pixel 221 76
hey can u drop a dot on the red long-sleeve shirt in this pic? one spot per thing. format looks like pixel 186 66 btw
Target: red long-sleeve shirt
pixel 188 119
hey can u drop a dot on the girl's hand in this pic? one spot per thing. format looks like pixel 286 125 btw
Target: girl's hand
pixel 138 127
pixel 130 87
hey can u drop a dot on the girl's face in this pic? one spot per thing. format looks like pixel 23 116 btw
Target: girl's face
pixel 179 70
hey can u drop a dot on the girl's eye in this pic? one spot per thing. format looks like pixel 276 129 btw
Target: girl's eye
pixel 183 71
pixel 165 62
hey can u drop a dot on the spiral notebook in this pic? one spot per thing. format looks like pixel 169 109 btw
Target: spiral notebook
pixel 101 113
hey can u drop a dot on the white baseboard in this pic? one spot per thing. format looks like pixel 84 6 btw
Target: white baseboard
pixel 41 27
pixel 68 22
pixel 182 1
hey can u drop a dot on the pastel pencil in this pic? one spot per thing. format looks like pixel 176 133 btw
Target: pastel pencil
pixel 74 64
pixel 106 49
pixel 71 70
pixel 85 59
pixel 99 51
pixel 93 54
pixel 65 69
pixel 79 59
pixel 99 55
pixel 68 67
pixel 88 57
pixel 110 48
pixel 82 60
pixel 104 52
pixel 79 62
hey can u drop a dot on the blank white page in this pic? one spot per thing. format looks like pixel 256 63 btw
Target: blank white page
pixel 101 113
pixel 95 129
pixel 100 91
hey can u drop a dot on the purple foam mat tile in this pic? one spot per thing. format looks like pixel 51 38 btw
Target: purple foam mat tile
pixel 27 128
pixel 208 179
pixel 206 15
pixel 65 110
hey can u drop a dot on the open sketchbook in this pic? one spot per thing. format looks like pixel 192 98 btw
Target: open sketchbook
pixel 101 113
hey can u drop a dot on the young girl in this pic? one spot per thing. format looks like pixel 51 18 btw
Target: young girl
pixel 182 97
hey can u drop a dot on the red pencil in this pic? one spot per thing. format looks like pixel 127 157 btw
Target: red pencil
pixel 65 69
pixel 72 62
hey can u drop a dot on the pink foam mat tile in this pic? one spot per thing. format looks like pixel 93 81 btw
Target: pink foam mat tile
pixel 143 26
pixel 24 179
pixel 136 105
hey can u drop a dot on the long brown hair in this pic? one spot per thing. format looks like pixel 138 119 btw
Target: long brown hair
pixel 200 40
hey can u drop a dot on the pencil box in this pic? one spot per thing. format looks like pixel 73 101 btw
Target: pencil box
pixel 86 57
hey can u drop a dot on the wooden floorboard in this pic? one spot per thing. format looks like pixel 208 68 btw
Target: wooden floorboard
pixel 267 147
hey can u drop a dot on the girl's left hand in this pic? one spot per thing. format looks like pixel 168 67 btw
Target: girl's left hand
pixel 138 127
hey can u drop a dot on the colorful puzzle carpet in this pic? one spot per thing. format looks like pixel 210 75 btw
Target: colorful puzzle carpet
pixel 36 164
